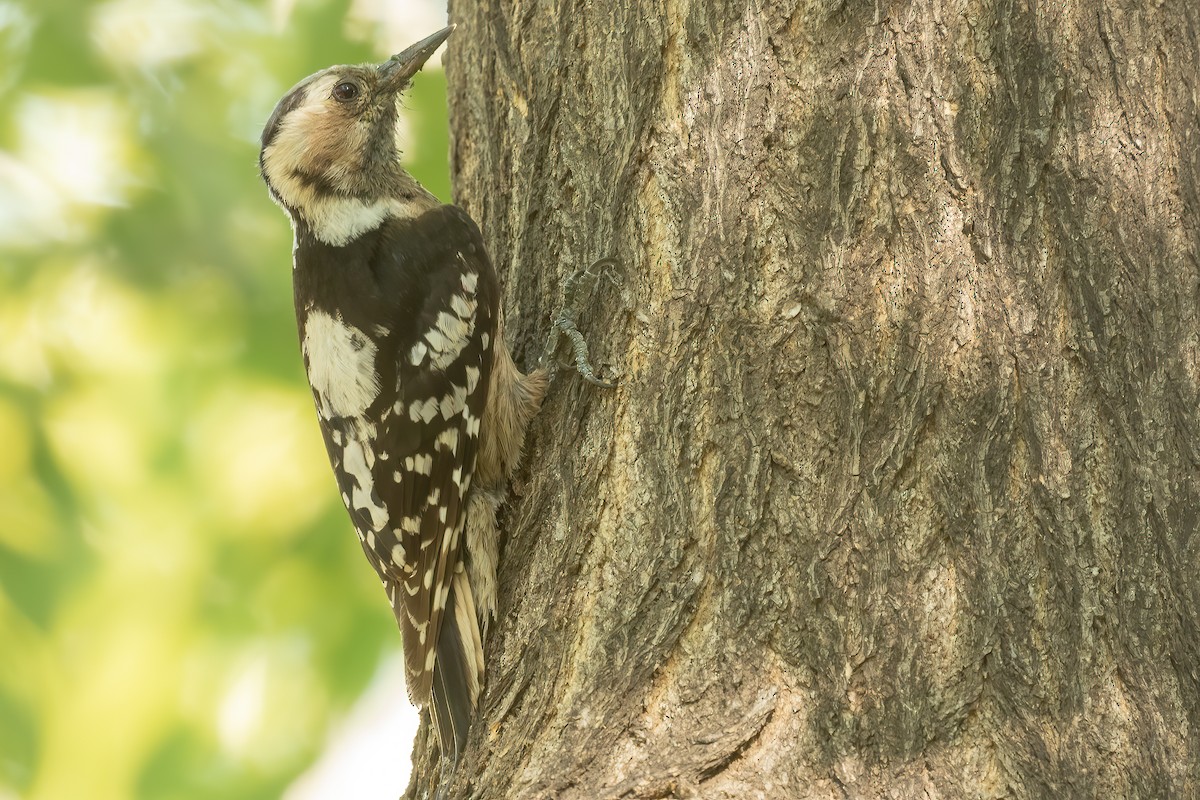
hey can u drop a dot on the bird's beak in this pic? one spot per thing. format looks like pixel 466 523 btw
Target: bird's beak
pixel 397 70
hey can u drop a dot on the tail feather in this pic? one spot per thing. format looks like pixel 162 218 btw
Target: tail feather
pixel 458 670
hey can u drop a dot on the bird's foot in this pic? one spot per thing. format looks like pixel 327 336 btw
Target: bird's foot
pixel 565 321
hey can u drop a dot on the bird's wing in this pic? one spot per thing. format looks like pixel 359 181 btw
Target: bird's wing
pixel 428 441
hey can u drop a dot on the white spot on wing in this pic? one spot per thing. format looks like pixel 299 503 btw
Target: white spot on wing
pixel 341 365
pixel 448 337
pixel 462 306
pixel 423 410
pixel 454 402
pixel 436 340
pixel 361 497
pixel 449 439
pixel 453 328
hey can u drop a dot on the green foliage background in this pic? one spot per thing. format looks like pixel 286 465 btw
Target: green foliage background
pixel 170 537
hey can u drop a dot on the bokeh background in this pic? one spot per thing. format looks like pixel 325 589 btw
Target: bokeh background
pixel 184 610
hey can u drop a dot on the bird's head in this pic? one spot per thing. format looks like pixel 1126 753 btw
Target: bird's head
pixel 334 134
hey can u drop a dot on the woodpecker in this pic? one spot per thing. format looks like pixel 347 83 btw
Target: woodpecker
pixel 421 407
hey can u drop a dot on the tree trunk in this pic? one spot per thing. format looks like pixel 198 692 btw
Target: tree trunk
pixel 898 493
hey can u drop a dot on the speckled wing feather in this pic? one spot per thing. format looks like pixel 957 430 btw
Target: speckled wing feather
pixel 428 441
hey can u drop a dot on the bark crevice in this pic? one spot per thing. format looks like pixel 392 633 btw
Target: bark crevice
pixel 906 435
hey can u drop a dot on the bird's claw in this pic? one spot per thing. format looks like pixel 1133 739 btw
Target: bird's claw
pixel 564 322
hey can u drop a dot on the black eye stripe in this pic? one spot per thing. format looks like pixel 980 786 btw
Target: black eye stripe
pixel 286 105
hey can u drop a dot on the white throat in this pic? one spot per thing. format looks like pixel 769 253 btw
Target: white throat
pixel 337 221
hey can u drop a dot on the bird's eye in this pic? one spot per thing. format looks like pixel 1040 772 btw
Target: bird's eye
pixel 345 92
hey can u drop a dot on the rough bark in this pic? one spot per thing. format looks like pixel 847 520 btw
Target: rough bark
pixel 898 494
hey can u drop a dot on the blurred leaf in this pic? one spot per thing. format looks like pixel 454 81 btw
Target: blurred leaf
pixel 184 608
pixel 18 737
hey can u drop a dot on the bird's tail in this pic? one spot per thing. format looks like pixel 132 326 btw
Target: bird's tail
pixel 458 669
